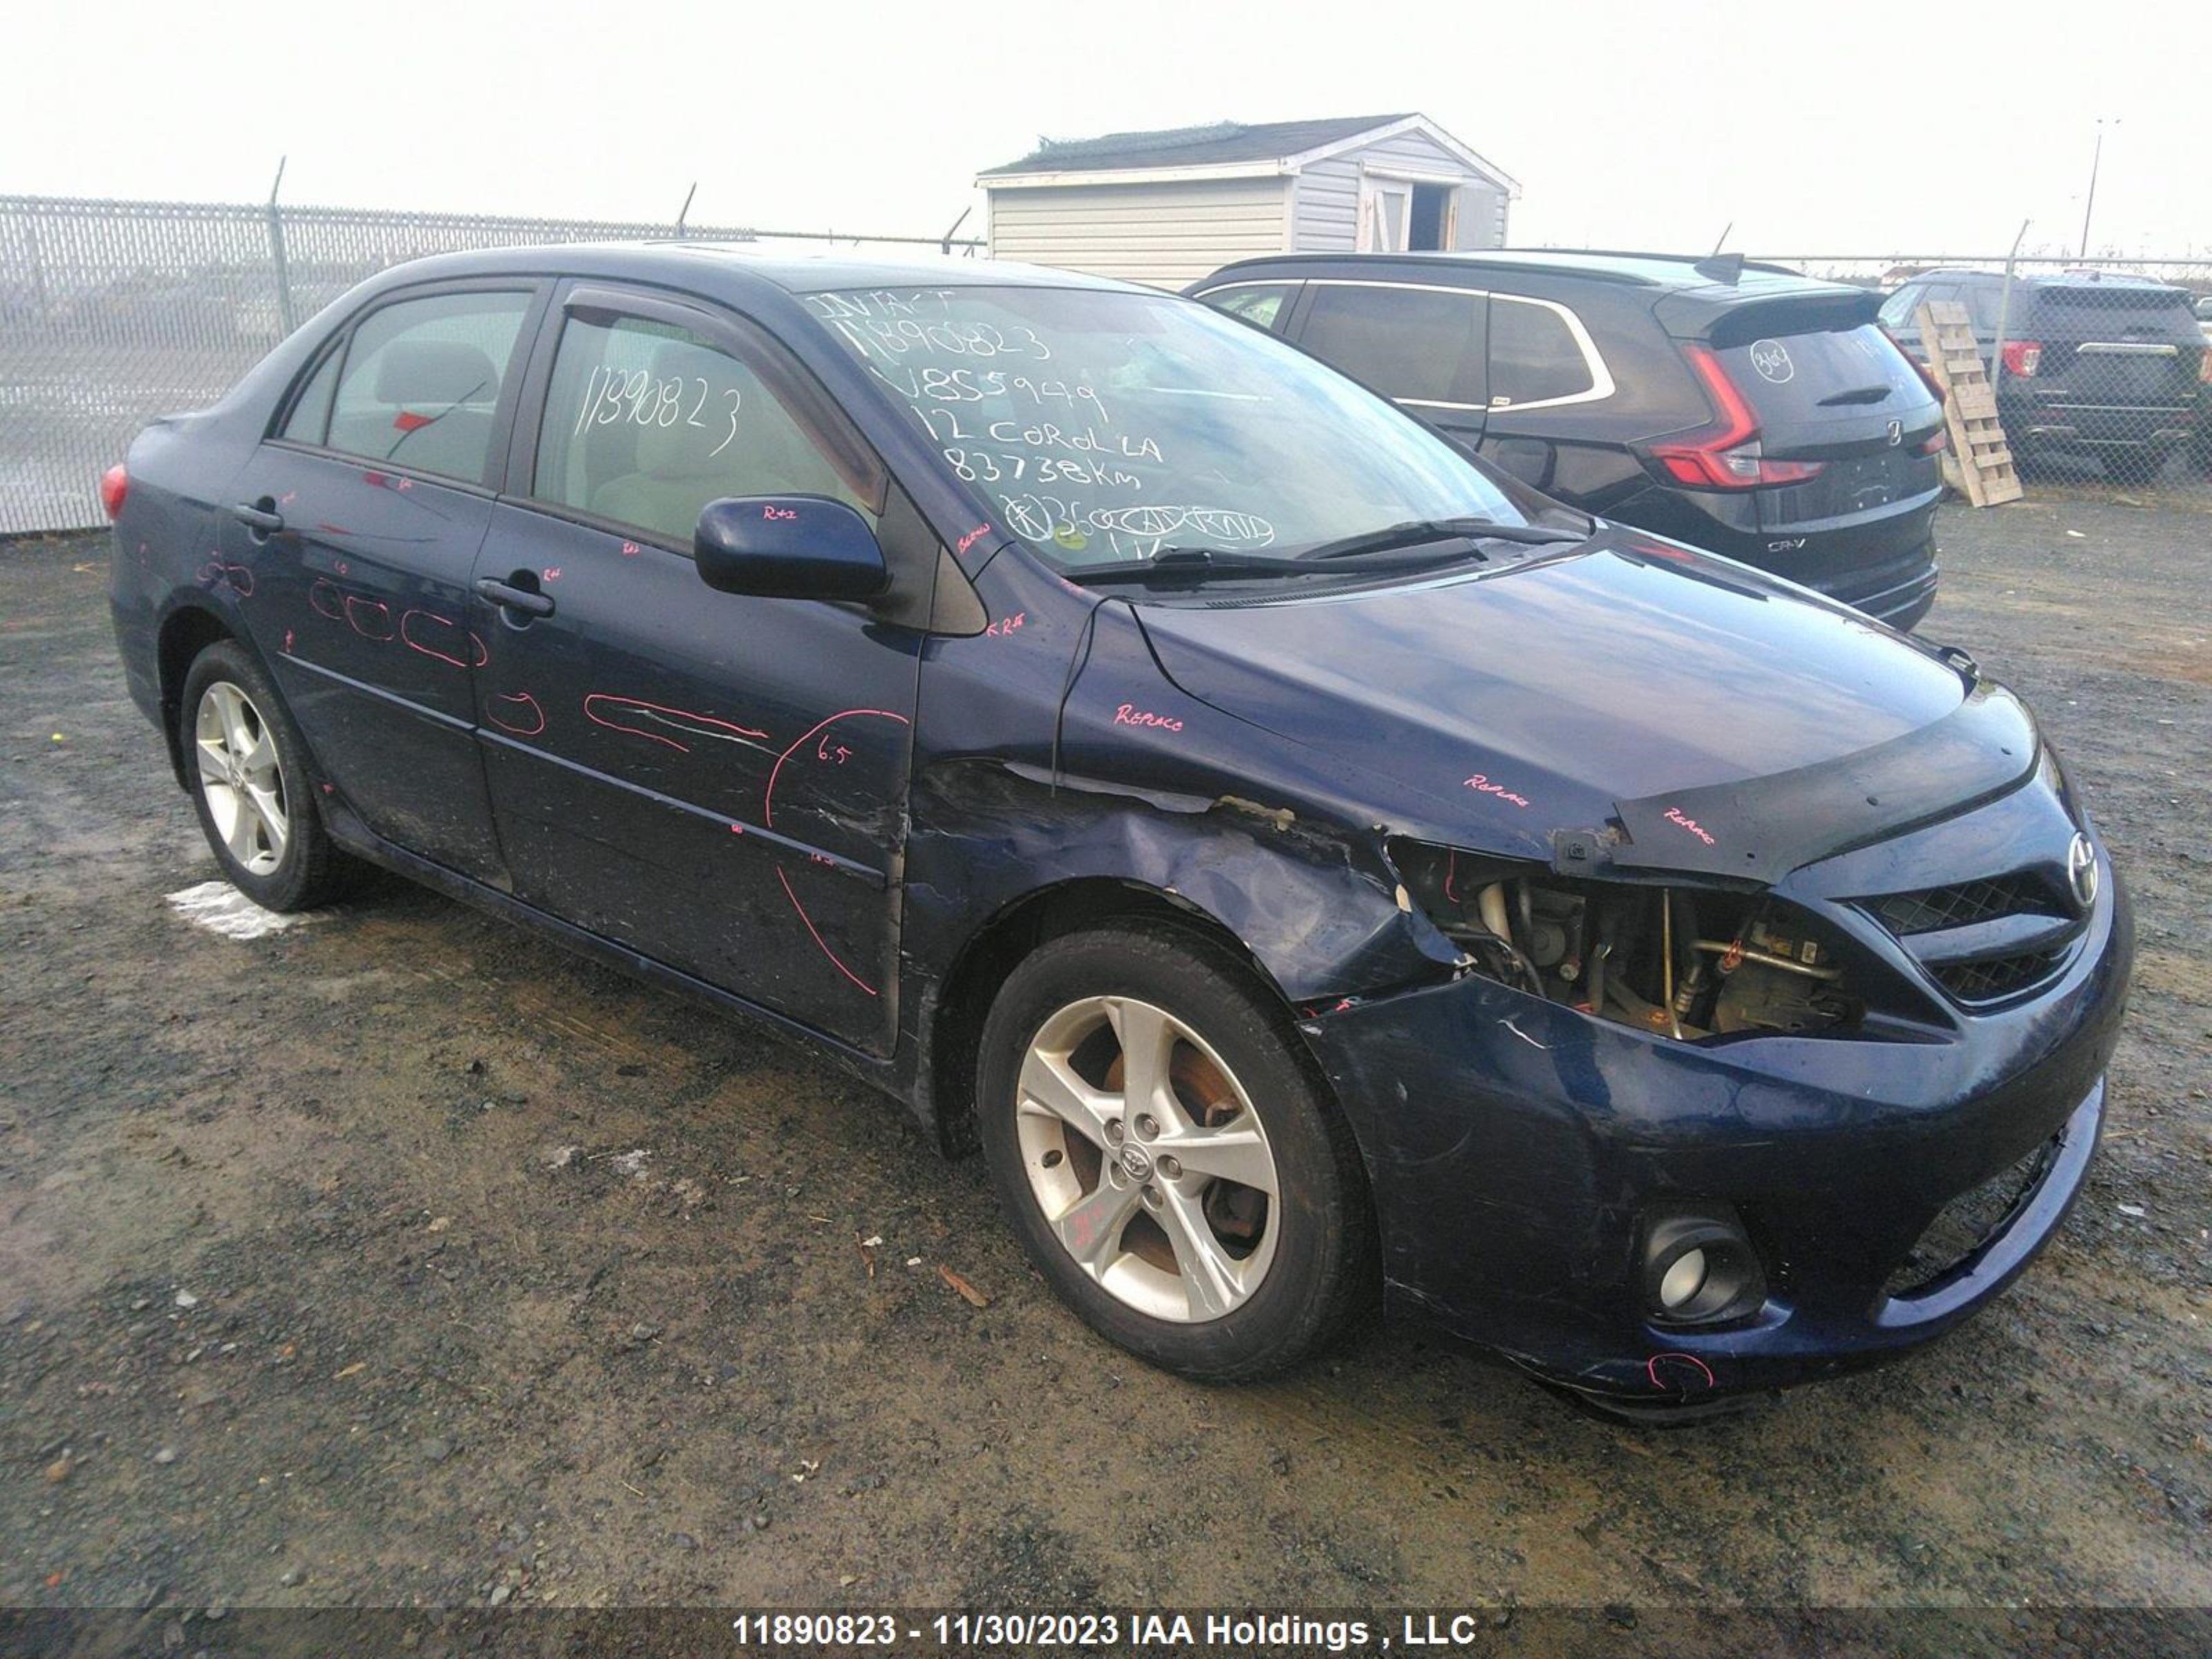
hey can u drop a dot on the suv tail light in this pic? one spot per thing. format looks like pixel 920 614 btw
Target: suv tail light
pixel 2022 358
pixel 1936 442
pixel 114 485
pixel 2204 367
pixel 1724 453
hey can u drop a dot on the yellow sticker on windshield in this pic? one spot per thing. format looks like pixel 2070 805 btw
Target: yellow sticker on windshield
pixel 1069 536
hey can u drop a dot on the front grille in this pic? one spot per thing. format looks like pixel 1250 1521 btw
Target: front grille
pixel 1968 1222
pixel 1998 977
pixel 1968 902
pixel 1986 939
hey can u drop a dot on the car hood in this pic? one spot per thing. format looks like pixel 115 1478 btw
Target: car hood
pixel 1627 686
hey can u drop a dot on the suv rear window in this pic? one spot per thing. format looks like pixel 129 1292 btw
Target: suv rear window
pixel 1822 374
pixel 2086 304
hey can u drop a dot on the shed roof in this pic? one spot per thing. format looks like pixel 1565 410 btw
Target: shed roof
pixel 1221 142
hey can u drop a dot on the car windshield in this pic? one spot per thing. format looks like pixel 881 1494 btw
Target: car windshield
pixel 1103 427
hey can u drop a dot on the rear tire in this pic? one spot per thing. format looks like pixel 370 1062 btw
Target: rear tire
pixel 1128 1077
pixel 246 767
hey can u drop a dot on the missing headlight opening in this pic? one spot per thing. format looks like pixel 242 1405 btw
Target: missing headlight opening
pixel 1686 961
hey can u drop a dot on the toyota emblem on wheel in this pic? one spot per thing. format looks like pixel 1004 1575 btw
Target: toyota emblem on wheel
pixel 2082 870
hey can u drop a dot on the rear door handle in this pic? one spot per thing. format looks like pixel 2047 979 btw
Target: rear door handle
pixel 514 598
pixel 261 520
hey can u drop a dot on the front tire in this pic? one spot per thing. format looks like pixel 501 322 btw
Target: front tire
pixel 246 767
pixel 1168 1157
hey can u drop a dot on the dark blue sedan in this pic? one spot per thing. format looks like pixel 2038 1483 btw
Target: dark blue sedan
pixel 1306 862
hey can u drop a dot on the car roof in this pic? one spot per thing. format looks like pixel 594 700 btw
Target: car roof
pixel 1720 277
pixel 2046 279
pixel 732 270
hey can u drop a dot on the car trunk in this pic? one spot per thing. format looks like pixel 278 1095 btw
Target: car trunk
pixel 1827 385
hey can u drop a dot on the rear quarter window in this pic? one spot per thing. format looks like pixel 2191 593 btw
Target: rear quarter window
pixel 1535 356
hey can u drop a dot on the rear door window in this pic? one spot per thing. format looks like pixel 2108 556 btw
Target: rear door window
pixel 421 383
pixel 1822 375
pixel 1261 304
pixel 1418 345
pixel 1539 356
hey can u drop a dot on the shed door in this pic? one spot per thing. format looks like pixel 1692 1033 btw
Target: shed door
pixel 1406 215
pixel 1386 214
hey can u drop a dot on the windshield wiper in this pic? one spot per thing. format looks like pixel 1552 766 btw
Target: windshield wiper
pixel 1417 531
pixel 1173 564
pixel 1858 394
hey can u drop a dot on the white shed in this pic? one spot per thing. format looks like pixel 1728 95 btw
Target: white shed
pixel 1167 207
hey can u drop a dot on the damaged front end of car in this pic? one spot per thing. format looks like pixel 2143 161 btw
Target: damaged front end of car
pixel 1670 1137
pixel 1667 1089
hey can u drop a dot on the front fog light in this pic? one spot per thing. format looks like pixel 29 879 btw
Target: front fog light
pixel 1683 1280
pixel 1699 1268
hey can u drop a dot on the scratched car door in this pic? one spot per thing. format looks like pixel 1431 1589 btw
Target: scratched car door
pixel 350 534
pixel 712 780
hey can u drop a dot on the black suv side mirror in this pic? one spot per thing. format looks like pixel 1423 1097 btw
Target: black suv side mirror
pixel 788 547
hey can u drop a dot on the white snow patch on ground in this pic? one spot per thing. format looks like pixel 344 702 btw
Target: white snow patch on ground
pixel 222 908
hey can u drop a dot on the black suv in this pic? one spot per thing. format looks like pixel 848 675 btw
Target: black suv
pixel 1743 408
pixel 2094 364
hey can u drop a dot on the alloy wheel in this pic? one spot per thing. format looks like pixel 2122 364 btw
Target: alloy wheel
pixel 242 779
pixel 1147 1159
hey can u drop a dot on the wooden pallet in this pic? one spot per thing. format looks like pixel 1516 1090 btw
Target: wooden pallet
pixel 1970 405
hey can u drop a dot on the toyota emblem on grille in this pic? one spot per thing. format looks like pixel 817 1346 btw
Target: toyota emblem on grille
pixel 2082 870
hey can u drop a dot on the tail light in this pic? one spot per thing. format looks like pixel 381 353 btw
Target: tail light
pixel 2205 368
pixel 1724 453
pixel 2022 358
pixel 114 485
pixel 1935 442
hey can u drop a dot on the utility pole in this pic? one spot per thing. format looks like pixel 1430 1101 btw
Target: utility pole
pixel 2096 159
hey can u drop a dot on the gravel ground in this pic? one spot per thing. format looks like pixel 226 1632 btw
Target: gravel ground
pixel 400 1259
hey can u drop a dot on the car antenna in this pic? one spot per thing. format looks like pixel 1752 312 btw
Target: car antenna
pixel 1717 266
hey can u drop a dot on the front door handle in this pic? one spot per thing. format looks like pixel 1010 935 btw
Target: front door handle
pixel 508 598
pixel 260 516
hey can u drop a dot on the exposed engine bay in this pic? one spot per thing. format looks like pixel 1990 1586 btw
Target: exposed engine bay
pixel 1684 963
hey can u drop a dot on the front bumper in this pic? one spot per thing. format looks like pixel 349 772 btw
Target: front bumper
pixel 1517 1148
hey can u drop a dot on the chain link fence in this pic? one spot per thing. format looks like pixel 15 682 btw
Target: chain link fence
pixel 2099 365
pixel 112 313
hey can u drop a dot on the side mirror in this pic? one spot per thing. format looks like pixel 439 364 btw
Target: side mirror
pixel 788 547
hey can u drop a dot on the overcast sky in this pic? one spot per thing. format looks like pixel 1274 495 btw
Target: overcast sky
pixel 1814 129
